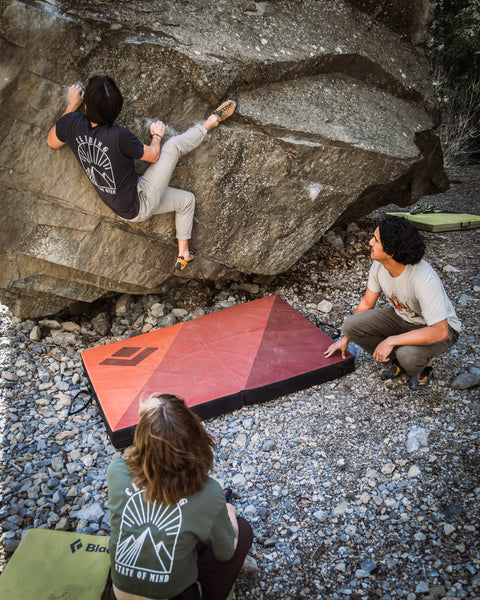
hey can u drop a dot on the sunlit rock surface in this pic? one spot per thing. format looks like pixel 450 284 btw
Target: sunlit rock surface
pixel 336 117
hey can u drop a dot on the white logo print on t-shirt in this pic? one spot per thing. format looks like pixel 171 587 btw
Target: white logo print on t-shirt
pixel 96 163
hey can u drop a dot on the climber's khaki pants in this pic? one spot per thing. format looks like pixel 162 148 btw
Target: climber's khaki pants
pixel 156 196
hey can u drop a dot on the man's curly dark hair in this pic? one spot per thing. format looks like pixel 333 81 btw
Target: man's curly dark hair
pixel 401 240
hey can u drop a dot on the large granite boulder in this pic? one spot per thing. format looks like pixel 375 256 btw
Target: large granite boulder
pixel 337 117
pixel 409 19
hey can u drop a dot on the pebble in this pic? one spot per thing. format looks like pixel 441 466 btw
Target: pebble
pixel 465 381
pixel 238 480
pixel 325 306
pixel 71 326
pixel 241 440
pixel 49 323
pixel 100 324
pixel 269 445
pixel 413 471
pixel 36 334
pixel 157 310
pixel 340 509
pixel 448 529
pixel 417 438
pixel 421 588
pixel 388 469
pixel 369 565
pixel 93 512
pixel 123 304
pixel 466 299
pixel 321 515
pixel 361 574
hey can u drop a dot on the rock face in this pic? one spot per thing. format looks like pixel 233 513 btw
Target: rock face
pixel 337 117
pixel 409 19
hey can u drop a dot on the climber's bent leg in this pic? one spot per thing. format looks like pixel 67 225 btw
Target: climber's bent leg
pixel 152 186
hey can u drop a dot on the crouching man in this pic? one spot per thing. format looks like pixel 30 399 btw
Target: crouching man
pixel 420 324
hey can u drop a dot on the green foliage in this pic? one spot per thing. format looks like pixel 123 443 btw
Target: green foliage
pixel 454 52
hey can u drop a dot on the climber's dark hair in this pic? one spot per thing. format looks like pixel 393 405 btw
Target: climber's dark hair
pixel 401 240
pixel 103 100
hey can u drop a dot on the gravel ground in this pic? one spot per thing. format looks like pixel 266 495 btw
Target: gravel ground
pixel 356 488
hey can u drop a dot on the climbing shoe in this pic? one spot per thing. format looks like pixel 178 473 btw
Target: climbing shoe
pixel 416 209
pixel 226 109
pixel 421 380
pixel 430 208
pixel 393 371
pixel 182 263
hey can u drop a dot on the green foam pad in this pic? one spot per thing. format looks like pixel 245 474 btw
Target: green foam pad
pixel 56 565
pixel 440 221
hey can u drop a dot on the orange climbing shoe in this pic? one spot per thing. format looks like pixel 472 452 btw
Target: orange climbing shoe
pixel 182 263
pixel 226 109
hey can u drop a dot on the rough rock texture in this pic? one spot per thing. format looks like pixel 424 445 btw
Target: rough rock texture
pixel 337 117
pixel 410 19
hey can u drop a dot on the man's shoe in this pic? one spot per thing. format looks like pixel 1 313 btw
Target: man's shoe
pixel 181 263
pixel 394 371
pixel 421 380
pixel 226 109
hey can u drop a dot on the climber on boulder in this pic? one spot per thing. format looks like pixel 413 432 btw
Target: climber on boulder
pixel 107 152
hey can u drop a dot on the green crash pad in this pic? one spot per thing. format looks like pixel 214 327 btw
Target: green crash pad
pixel 440 220
pixel 56 565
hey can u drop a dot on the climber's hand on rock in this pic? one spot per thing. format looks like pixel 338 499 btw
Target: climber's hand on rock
pixel 157 127
pixel 75 96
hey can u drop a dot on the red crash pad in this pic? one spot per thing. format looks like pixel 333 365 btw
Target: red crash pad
pixel 245 354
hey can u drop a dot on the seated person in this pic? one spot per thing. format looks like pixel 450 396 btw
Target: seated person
pixel 420 324
pixel 172 533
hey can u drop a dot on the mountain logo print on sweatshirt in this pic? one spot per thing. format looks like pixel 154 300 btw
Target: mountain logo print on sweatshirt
pixel 147 539
pixel 96 163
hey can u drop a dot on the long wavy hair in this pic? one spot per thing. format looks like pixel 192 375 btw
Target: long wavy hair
pixel 172 452
pixel 400 240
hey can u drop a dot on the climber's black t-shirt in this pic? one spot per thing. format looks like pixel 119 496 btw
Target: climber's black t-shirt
pixel 106 154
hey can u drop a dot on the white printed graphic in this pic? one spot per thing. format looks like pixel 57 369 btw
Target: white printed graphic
pixel 96 163
pixel 147 539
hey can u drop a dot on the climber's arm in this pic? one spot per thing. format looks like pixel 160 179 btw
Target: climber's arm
pixel 52 139
pixel 75 98
pixel 152 152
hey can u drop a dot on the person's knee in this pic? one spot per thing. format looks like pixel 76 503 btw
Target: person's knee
pixel 170 147
pixel 191 200
pixel 245 531
pixel 245 538
pixel 411 358
pixel 186 203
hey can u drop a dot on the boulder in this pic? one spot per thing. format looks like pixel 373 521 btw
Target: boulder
pixel 409 18
pixel 336 117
